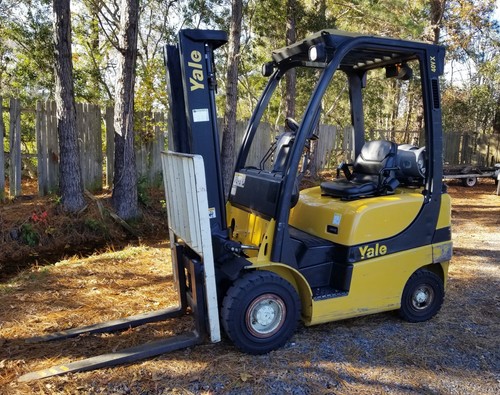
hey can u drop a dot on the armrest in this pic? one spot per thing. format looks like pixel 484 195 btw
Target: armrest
pixel 344 167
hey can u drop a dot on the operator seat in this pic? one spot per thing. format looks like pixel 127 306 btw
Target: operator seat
pixel 372 175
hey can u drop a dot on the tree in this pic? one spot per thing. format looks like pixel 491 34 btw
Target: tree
pixel 26 50
pixel 93 54
pixel 70 179
pixel 229 129
pixel 125 178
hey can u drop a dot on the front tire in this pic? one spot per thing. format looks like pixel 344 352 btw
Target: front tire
pixel 260 312
pixel 422 297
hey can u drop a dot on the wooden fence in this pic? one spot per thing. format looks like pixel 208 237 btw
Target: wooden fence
pixel 471 148
pixel 96 139
pixel 96 145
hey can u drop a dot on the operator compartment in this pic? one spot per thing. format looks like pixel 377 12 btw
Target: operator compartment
pixel 352 222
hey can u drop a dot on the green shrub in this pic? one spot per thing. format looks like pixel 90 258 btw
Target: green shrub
pixel 29 235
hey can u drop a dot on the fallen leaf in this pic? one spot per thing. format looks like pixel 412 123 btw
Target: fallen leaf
pixel 245 376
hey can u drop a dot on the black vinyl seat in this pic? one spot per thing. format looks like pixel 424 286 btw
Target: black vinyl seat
pixel 372 175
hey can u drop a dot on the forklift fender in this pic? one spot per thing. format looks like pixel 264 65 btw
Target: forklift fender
pixel 296 279
pixel 232 268
pixel 440 269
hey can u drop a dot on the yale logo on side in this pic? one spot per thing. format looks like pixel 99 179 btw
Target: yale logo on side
pixel 197 77
pixel 372 252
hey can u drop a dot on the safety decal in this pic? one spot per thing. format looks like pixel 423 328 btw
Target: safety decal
pixel 211 212
pixel 336 219
pixel 238 182
pixel 200 115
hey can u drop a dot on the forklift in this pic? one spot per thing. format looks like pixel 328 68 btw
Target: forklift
pixel 374 239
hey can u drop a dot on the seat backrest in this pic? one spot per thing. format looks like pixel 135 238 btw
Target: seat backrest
pixel 375 156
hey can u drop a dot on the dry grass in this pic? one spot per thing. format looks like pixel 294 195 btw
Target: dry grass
pixel 456 352
pixel 36 230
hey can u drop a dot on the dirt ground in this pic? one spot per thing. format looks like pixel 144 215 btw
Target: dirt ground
pixel 457 352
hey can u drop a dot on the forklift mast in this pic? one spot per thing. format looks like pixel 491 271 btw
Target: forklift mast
pixel 192 86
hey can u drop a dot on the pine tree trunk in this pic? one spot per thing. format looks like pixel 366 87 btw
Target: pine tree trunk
pixel 229 130
pixel 125 177
pixel 70 179
pixel 436 14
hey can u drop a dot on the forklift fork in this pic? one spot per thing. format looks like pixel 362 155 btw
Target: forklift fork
pixel 191 295
pixel 193 269
pixel 126 322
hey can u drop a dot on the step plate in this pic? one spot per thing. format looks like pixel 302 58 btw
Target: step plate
pixel 324 293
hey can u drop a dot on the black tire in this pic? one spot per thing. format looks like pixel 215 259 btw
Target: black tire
pixel 422 297
pixel 469 182
pixel 260 312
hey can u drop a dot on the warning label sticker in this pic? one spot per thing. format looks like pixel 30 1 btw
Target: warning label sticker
pixel 239 180
pixel 211 212
pixel 201 115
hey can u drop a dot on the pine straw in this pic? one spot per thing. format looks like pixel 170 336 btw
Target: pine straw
pixel 55 234
pixel 456 352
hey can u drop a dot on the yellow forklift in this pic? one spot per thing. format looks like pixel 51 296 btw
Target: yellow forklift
pixel 377 238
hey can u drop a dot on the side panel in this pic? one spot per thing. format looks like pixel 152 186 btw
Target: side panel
pixel 444 219
pixel 355 222
pixel 377 285
pixel 247 228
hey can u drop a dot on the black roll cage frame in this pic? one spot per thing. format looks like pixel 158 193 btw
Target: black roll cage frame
pixel 355 49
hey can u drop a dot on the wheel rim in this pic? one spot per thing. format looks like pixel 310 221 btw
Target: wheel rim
pixel 471 181
pixel 422 297
pixel 265 315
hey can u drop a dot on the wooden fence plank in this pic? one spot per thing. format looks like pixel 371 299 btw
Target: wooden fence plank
pixel 140 160
pixel 41 146
pixel 348 144
pixel 52 147
pixel 2 150
pixel 157 145
pixel 90 145
pixel 110 145
pixel 325 147
pixel 141 156
pixel 15 148
pixel 98 165
pixel 80 132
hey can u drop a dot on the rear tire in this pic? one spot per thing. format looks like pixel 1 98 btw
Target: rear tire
pixel 260 312
pixel 422 297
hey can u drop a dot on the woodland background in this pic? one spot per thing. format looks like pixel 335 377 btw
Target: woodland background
pixel 28 31
pixel 453 353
